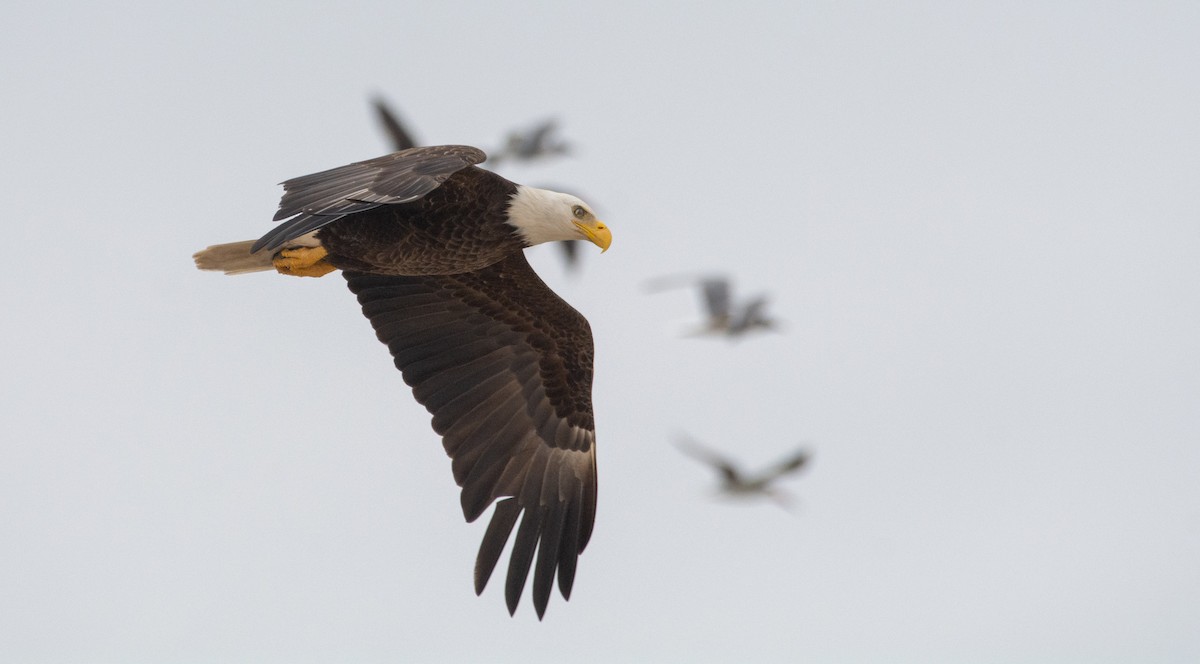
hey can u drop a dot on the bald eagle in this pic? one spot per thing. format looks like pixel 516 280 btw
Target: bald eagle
pixel 432 245
pixel 402 139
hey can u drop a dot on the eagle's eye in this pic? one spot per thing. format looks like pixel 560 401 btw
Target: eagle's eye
pixel 579 212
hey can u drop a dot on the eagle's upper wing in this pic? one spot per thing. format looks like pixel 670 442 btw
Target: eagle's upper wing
pixel 505 368
pixel 322 198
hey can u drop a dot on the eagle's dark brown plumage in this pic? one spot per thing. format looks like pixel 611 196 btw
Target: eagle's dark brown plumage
pixel 413 239
pixel 433 247
pixel 505 368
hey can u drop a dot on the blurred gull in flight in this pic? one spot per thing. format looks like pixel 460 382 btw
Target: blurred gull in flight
pixel 725 317
pixel 736 483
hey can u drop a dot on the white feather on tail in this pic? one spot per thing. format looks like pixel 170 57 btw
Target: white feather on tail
pixel 235 257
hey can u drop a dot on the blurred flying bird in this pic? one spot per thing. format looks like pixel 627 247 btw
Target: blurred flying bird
pixel 736 483
pixel 534 143
pixel 725 317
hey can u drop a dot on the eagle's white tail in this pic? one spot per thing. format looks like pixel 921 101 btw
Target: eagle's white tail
pixel 235 257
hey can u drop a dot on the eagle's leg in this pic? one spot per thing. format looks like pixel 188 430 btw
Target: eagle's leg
pixel 303 262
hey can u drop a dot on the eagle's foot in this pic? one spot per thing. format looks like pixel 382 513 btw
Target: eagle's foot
pixel 303 262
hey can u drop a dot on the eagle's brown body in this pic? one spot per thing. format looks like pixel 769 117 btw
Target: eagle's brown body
pixel 459 227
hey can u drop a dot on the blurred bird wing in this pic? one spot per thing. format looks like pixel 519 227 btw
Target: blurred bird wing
pixel 400 138
pixel 722 464
pixel 790 464
pixel 539 136
pixel 753 313
pixel 715 291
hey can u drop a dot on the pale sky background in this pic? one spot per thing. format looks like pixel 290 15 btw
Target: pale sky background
pixel 980 224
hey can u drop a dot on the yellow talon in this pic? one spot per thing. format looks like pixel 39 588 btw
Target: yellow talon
pixel 303 262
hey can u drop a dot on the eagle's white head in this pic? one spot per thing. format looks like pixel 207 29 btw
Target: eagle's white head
pixel 540 215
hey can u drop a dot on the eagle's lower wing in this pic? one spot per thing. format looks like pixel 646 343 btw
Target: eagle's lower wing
pixel 505 368
pixel 319 199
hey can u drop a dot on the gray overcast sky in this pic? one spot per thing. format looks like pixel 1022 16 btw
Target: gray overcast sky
pixel 980 224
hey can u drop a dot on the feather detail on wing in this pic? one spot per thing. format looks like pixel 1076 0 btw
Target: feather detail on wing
pixel 315 200
pixel 505 368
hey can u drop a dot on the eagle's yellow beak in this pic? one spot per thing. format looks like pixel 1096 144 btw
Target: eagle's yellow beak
pixel 596 232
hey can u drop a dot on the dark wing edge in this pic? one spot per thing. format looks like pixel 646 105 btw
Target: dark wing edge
pixel 510 394
pixel 315 200
pixel 790 464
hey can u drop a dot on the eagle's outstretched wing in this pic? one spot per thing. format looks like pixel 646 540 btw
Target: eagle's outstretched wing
pixel 505 368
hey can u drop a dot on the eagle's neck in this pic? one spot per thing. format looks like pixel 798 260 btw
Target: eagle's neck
pixel 540 215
